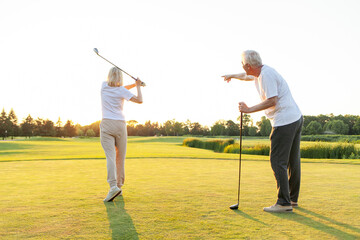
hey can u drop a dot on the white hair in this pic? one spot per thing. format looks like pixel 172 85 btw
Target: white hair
pixel 115 77
pixel 252 58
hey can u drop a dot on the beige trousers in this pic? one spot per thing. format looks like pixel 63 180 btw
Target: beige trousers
pixel 113 137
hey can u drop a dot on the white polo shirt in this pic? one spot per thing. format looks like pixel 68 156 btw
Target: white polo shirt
pixel 270 84
pixel 112 101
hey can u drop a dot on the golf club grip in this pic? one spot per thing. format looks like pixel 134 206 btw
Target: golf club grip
pixel 142 83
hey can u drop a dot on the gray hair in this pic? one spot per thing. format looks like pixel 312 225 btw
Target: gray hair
pixel 252 58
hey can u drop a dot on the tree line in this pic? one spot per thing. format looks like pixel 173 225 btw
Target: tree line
pixel 313 125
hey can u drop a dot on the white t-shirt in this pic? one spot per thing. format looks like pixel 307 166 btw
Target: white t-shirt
pixel 112 101
pixel 270 84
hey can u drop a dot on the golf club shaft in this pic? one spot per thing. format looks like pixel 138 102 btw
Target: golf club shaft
pixel 117 67
pixel 97 53
pixel 241 123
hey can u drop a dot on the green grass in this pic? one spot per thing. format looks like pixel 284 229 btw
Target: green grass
pixel 54 190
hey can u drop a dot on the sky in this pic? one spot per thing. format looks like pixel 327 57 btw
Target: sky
pixel 180 49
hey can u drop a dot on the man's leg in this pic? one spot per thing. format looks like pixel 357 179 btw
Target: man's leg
pixel 295 165
pixel 281 143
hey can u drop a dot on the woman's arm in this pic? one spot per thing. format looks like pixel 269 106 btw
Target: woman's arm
pixel 128 87
pixel 138 98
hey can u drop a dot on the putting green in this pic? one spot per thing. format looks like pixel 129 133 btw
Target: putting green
pixel 171 192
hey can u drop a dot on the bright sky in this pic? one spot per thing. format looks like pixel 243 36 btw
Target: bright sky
pixel 180 49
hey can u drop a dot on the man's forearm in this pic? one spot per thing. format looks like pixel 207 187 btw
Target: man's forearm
pixel 242 77
pixel 268 103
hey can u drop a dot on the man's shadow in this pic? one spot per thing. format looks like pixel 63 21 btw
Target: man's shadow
pixel 121 224
pixel 318 225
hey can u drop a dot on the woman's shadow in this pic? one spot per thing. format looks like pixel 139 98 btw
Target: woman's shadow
pixel 121 224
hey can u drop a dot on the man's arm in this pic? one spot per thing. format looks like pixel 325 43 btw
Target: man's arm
pixel 239 76
pixel 268 103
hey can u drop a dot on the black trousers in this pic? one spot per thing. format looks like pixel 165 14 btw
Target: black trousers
pixel 285 161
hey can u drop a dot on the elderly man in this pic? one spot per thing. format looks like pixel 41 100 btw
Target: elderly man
pixel 286 120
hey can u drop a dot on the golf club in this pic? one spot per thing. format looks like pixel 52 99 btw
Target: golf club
pixel 97 53
pixel 236 206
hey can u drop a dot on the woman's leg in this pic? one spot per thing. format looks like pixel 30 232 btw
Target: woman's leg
pixel 121 144
pixel 108 144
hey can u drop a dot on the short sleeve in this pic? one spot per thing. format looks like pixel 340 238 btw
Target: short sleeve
pixel 126 94
pixel 269 85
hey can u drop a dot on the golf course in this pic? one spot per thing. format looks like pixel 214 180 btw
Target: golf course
pixel 53 188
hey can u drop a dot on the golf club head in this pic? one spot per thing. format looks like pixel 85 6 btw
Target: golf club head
pixel 234 207
pixel 96 51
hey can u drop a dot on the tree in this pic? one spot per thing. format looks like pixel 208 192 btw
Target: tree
pixel 96 127
pixel 186 127
pixel 336 126
pixel 248 125
pixel 253 131
pixel 90 133
pixel 196 129
pixel 58 128
pixel 44 127
pixel 313 128
pixel 69 129
pixel 13 124
pixel 178 128
pixel 130 126
pixel 349 120
pixel 3 124
pixel 150 129
pixel 232 129
pixel 169 127
pixel 80 132
pixel 356 127
pixel 28 126
pixel 39 130
pixel 49 129
pixel 264 126
pixel 219 128
pixel 156 128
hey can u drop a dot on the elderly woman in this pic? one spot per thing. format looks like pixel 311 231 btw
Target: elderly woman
pixel 113 133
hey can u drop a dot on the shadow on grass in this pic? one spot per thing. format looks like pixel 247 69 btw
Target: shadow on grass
pixel 121 224
pixel 316 224
pixel 245 215
pixel 355 229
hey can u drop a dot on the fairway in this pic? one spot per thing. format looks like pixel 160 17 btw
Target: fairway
pixel 54 190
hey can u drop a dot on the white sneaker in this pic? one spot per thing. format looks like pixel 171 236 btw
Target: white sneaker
pixel 113 193
pixel 278 208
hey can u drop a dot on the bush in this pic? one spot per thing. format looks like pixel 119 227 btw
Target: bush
pixel 216 145
pixel 336 151
pixel 332 138
pixel 319 150
pixel 256 150
pixel 233 148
